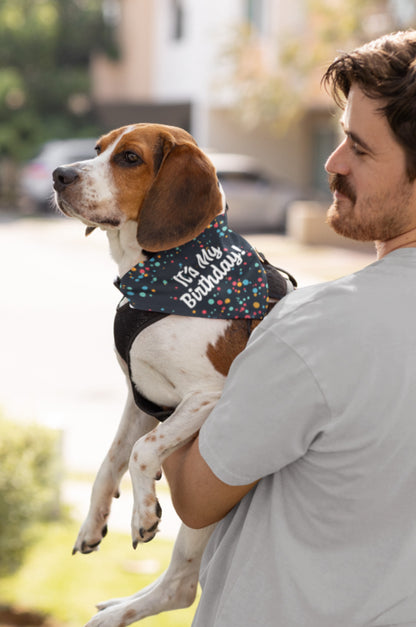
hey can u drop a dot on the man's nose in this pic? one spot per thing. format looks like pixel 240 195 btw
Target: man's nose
pixel 337 161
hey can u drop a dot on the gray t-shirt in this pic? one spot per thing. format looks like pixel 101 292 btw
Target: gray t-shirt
pixel 322 405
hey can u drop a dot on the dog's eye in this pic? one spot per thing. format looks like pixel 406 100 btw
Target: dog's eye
pixel 98 149
pixel 127 159
pixel 131 157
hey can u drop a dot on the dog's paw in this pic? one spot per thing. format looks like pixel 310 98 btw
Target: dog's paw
pixel 103 605
pixel 111 614
pixel 104 618
pixel 145 520
pixel 89 538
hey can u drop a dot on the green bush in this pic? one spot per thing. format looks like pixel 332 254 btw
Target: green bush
pixel 29 486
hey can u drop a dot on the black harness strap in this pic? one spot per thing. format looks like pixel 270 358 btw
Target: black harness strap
pixel 128 323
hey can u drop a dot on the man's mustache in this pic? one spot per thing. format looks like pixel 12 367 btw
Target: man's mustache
pixel 339 183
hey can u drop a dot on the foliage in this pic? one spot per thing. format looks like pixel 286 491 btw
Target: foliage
pixel 45 47
pixel 66 586
pixel 29 483
pixel 275 81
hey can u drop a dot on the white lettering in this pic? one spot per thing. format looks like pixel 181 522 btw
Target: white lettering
pixel 207 284
pixel 207 255
pixel 226 265
pixel 186 276
pixel 188 300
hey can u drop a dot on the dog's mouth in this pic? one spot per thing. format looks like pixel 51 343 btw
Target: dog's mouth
pixel 91 222
pixel 64 206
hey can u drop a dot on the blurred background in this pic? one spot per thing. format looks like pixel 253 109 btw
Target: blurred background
pixel 243 77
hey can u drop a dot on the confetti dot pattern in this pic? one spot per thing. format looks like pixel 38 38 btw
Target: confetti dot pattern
pixel 216 275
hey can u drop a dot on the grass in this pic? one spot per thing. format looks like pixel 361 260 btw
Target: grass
pixel 67 587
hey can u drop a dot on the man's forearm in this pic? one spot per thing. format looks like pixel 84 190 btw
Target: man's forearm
pixel 199 497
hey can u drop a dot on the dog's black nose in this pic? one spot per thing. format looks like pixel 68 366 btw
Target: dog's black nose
pixel 64 176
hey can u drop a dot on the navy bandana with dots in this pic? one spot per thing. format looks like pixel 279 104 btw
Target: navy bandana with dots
pixel 216 275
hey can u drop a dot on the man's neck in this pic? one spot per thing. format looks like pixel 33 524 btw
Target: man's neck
pixel 405 240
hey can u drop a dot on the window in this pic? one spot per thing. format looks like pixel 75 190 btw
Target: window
pixel 255 14
pixel 324 140
pixel 178 12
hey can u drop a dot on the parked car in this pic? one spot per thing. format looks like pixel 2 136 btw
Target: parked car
pixel 35 189
pixel 257 201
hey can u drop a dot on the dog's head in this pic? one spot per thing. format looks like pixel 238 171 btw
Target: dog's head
pixel 150 173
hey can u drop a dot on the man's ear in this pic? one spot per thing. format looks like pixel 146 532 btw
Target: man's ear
pixel 182 201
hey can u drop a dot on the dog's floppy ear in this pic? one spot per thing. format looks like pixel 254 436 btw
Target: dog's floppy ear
pixel 183 199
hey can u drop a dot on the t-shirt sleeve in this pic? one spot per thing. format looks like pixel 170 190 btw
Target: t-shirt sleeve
pixel 270 411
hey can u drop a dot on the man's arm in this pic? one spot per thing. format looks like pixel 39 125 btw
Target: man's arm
pixel 199 497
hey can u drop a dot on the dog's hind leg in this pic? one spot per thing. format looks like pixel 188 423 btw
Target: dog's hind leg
pixel 176 588
pixel 134 423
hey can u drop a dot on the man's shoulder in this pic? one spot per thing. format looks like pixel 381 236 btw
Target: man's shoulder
pixel 316 297
pixel 330 303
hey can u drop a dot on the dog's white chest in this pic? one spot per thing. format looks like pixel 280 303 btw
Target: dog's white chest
pixel 169 359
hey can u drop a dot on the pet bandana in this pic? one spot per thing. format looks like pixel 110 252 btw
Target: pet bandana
pixel 216 275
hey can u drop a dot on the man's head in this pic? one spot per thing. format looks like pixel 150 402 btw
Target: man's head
pixel 373 171
pixel 385 70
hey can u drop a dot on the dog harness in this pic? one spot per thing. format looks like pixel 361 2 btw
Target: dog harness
pixel 216 275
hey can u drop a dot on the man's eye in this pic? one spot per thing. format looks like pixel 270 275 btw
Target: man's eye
pixel 356 148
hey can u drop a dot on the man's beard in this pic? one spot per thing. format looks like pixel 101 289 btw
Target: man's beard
pixel 375 218
pixel 341 217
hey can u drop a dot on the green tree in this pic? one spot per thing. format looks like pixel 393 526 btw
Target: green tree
pixel 45 46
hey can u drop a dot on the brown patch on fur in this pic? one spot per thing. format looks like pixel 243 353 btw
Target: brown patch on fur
pixel 229 345
pixel 128 617
pixel 149 500
pixel 183 199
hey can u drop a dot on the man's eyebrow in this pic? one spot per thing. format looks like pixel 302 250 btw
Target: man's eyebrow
pixel 356 139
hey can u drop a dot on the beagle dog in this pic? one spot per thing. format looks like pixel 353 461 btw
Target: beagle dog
pixel 151 189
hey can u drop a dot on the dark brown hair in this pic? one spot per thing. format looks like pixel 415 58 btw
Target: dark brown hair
pixel 383 69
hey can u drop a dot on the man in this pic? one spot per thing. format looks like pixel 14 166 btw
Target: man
pixel 309 459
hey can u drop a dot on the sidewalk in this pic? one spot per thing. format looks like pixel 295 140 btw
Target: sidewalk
pixel 57 364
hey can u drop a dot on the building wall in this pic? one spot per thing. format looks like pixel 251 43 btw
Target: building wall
pixel 154 65
pixel 172 75
pixel 186 67
pixel 131 79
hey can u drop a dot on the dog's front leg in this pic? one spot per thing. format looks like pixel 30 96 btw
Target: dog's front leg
pixel 151 450
pixel 134 423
